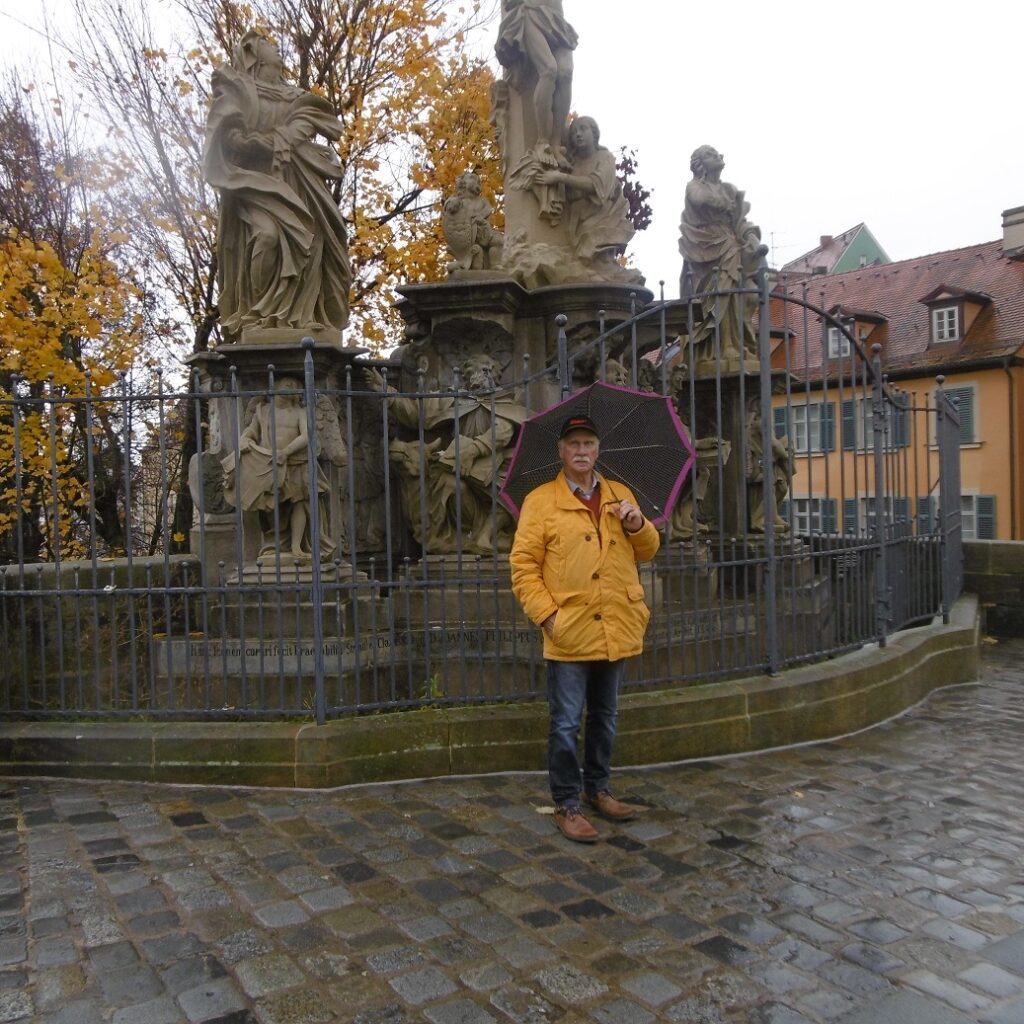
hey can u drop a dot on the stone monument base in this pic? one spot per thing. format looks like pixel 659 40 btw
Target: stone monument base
pixel 325 337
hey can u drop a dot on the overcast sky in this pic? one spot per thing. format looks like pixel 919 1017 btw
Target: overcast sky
pixel 905 115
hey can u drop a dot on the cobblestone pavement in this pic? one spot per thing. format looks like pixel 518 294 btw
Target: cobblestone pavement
pixel 873 880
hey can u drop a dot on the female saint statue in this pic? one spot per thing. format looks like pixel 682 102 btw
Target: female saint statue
pixel 281 246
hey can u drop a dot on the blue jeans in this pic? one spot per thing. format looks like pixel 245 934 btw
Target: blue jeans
pixel 571 684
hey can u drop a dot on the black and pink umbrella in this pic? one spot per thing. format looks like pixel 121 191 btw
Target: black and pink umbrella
pixel 644 445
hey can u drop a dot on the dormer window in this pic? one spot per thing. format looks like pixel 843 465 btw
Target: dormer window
pixel 946 323
pixel 953 312
pixel 838 344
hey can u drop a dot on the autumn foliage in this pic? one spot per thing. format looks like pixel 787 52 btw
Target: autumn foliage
pixel 71 320
pixel 108 250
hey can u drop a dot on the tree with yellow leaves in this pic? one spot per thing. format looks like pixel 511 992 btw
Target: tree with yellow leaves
pixel 71 320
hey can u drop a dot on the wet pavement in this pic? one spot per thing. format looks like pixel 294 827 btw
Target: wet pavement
pixel 873 880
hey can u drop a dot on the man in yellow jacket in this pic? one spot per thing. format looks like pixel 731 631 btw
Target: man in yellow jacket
pixel 574 572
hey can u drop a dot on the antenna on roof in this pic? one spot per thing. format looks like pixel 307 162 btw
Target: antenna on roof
pixel 773 247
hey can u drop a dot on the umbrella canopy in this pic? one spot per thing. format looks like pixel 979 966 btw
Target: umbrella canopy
pixel 644 445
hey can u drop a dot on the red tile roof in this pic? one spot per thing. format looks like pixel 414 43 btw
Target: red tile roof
pixel 895 290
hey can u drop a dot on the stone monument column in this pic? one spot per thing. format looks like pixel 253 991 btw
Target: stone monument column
pixel 283 276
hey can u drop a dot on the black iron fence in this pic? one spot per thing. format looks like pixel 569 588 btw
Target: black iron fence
pixel 350 550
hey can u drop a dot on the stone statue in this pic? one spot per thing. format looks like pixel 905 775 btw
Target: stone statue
pixel 206 484
pixel 783 474
pixel 484 450
pixel 648 376
pixel 614 373
pixel 281 241
pixel 688 517
pixel 466 219
pixel 721 250
pixel 599 228
pixel 270 471
pixel 535 45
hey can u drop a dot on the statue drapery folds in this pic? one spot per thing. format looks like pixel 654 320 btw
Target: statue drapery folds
pixel 282 259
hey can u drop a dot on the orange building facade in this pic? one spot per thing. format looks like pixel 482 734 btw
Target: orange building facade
pixel 955 317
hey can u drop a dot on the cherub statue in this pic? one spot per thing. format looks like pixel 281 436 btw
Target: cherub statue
pixel 466 219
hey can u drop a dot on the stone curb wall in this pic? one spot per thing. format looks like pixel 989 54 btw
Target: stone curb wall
pixel 994 570
pixel 813 702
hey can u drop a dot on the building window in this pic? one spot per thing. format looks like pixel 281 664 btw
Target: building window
pixel 809 427
pixel 860 514
pixel 946 323
pixel 978 516
pixel 810 515
pixel 859 425
pixel 838 343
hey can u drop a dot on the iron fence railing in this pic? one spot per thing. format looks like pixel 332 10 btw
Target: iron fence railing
pixel 370 572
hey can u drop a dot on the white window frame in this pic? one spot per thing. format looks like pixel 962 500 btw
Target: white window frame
pixel 806 427
pixel 839 346
pixel 945 324
pixel 807 515
pixel 866 510
pixel 969 515
pixel 864 425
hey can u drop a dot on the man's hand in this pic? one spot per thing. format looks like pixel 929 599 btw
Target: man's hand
pixel 630 516
pixel 548 625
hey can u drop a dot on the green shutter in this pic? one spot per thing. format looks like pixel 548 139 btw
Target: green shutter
pixel 780 419
pixel 985 516
pixel 828 515
pixel 963 399
pixel 925 515
pixel 828 426
pixel 849 514
pixel 849 425
pixel 901 426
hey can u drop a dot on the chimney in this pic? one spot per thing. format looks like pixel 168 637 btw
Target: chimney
pixel 1013 233
pixel 826 240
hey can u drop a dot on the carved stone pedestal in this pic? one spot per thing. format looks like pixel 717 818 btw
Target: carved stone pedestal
pixel 687 575
pixel 439 590
pixel 448 321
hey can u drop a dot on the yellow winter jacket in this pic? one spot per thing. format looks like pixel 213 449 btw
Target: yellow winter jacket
pixel 561 563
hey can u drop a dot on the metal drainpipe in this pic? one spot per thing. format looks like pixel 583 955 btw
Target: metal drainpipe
pixel 1013 449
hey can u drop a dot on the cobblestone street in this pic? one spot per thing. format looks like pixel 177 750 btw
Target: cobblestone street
pixel 874 880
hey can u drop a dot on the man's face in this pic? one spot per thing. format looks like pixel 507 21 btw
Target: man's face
pixel 578 452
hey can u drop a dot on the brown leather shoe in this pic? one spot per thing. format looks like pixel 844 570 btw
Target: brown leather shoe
pixel 608 807
pixel 573 825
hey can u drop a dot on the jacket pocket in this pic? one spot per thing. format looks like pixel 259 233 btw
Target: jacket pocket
pixel 570 606
pixel 639 611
